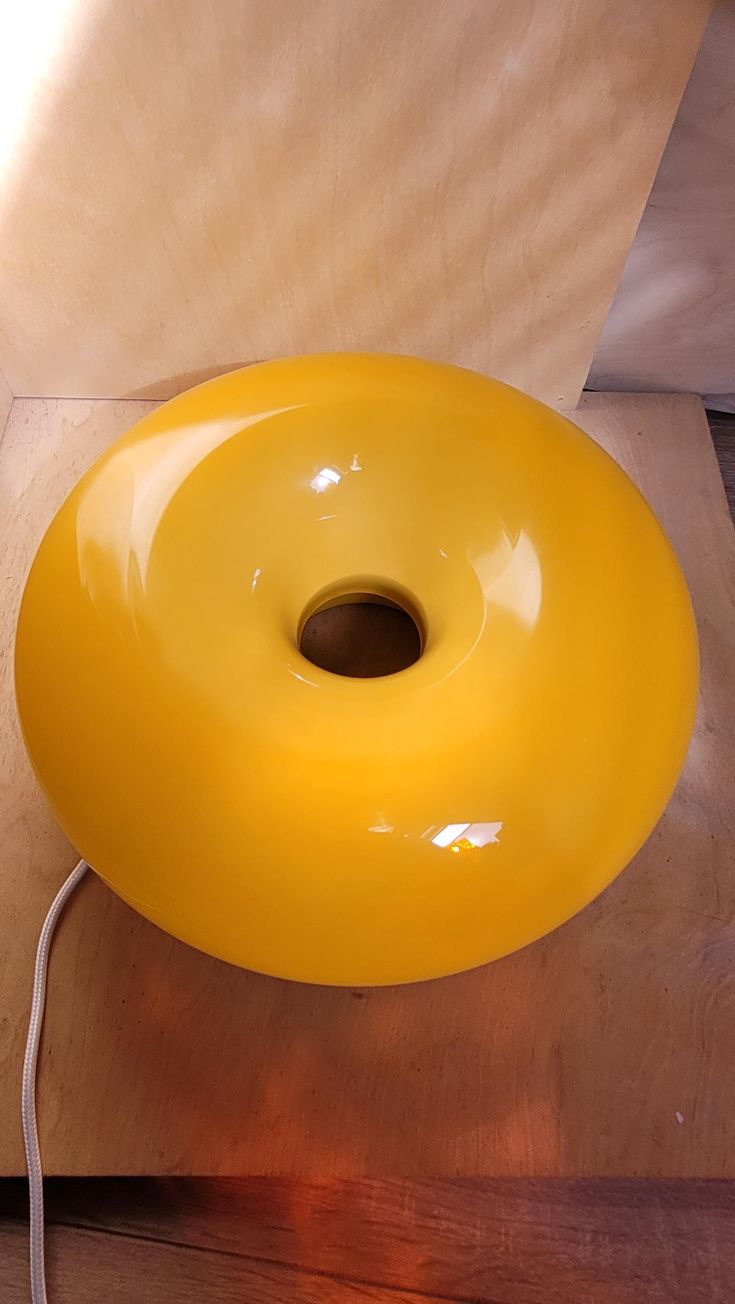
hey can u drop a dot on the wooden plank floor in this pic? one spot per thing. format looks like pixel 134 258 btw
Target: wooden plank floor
pixel 268 1241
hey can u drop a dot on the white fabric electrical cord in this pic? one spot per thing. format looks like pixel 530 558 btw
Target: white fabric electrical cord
pixel 28 1101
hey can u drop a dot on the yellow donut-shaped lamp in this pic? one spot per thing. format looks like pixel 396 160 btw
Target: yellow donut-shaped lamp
pixel 335 829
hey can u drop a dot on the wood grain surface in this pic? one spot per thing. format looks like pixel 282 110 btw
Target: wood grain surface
pixel 672 322
pixel 722 428
pixel 195 184
pixel 6 402
pixel 503 1242
pixel 604 1049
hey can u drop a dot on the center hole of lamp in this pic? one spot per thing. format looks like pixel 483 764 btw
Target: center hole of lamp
pixel 361 634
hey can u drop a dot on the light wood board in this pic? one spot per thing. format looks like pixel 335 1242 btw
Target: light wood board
pixel 270 1241
pixel 672 322
pixel 6 402
pixel 606 1048
pixel 198 185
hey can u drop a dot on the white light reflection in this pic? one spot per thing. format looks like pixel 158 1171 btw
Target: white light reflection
pixel 460 837
pixel 256 576
pixel 322 480
pixel 479 835
pixel 381 824
pixel 449 834
pixel 511 578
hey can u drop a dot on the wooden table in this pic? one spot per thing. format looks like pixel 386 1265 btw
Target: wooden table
pixel 282 1241
pixel 607 1049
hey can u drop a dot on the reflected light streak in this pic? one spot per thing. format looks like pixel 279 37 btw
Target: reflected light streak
pixel 511 578
pixel 467 836
pixel 448 834
pixel 36 35
pixel 120 512
pixel 322 480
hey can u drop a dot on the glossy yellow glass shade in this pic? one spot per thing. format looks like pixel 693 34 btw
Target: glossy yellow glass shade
pixel 345 830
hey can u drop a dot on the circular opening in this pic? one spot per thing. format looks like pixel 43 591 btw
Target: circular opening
pixel 360 634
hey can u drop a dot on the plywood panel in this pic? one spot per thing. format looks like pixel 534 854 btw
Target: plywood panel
pixel 606 1048
pixel 6 402
pixel 672 323
pixel 196 185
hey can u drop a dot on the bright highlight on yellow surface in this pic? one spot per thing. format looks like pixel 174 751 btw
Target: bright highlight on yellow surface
pixel 335 829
